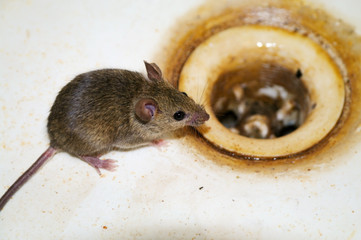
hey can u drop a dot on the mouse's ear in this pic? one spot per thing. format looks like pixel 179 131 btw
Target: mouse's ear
pixel 153 71
pixel 146 109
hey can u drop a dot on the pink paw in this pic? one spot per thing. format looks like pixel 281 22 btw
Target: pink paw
pixel 107 164
pixel 159 143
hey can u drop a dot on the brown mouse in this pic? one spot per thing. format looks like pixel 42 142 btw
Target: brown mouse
pixel 101 110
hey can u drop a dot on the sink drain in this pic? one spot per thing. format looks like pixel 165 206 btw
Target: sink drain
pixel 280 79
pixel 297 109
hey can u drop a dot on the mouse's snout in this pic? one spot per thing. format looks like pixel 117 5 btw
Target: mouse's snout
pixel 205 116
pixel 198 119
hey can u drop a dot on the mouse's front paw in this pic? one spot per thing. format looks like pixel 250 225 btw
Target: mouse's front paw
pixel 159 143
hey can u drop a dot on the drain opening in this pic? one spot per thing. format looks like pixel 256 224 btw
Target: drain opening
pixel 261 100
pixel 292 89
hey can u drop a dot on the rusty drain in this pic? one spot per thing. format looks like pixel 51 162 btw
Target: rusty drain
pixel 275 83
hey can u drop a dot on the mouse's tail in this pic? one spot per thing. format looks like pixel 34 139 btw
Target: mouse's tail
pixel 26 176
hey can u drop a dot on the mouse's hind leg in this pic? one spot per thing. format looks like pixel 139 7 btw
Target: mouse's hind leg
pixel 96 162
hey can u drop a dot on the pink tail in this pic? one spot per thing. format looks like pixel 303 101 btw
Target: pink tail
pixel 26 176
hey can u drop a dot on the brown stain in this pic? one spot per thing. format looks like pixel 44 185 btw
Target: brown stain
pixel 333 35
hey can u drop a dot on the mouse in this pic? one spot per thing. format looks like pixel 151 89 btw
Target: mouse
pixel 107 109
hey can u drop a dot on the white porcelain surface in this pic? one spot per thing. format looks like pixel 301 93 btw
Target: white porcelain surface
pixel 169 193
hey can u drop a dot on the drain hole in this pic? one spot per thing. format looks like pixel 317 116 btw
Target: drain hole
pixel 261 100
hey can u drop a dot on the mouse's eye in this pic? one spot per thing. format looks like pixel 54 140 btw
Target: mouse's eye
pixel 185 94
pixel 179 115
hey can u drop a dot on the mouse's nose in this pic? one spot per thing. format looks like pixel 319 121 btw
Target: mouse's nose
pixel 203 117
pixel 198 119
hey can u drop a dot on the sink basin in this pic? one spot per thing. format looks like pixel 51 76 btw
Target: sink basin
pixel 167 193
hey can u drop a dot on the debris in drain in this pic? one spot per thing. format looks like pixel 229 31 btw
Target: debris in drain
pixel 229 119
pixel 264 101
pixel 257 126
pixel 298 73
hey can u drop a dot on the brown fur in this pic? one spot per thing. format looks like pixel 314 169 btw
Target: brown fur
pixel 95 112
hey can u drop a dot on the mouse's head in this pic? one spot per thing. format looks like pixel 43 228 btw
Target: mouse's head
pixel 166 108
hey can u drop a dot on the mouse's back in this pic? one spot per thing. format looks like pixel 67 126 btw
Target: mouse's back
pixel 88 111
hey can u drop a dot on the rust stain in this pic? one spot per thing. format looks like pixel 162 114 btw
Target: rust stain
pixel 301 17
